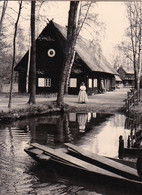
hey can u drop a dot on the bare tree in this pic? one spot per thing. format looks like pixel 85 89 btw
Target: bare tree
pixel 32 78
pixel 14 52
pixel 84 16
pixel 3 13
pixel 131 48
pixel 89 22
pixel 81 17
pixel 2 43
pixel 123 56
pixel 134 32
pixel 69 50
pixel 5 58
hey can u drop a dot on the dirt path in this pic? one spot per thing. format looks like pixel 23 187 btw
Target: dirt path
pixel 108 102
pixel 113 100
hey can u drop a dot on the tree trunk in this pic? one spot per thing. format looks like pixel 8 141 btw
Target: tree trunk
pixel 3 13
pixel 135 14
pixel 68 74
pixel 78 27
pixel 14 52
pixel 72 37
pixel 68 58
pixel 69 51
pixel 32 78
pixel 139 57
pixel 28 68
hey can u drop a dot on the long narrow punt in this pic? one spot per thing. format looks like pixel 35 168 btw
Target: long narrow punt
pixel 103 162
pixel 63 158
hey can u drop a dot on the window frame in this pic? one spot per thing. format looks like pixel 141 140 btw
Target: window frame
pixel 74 84
pixel 44 82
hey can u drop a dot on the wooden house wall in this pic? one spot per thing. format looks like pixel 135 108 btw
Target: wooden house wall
pixel 49 66
pixel 93 82
pixel 84 78
pixel 127 78
pixel 22 83
pixel 22 74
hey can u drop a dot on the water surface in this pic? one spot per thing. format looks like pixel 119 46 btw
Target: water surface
pixel 20 174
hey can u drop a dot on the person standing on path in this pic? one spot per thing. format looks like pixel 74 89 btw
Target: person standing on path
pixel 82 96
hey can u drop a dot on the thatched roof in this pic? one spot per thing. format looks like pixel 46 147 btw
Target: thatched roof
pixel 128 70
pixel 89 54
pixel 117 78
pixel 85 49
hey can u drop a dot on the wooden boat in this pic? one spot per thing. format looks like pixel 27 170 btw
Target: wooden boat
pixel 123 161
pixel 119 168
pixel 44 154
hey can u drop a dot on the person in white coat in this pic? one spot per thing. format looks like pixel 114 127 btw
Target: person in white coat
pixel 82 96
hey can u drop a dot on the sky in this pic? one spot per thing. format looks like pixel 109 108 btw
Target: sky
pixel 112 13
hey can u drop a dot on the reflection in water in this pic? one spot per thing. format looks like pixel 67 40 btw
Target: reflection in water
pixel 102 137
pixel 82 120
pixel 13 161
pixel 20 174
pixel 135 136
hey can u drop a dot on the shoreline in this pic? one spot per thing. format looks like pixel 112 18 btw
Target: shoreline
pixel 109 102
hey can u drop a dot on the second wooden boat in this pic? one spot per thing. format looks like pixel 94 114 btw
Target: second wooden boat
pixel 103 162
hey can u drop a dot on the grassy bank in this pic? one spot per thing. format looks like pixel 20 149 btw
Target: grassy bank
pixel 110 102
pixel 29 111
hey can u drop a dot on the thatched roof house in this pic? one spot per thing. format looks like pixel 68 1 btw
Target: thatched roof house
pixel 89 66
pixel 127 76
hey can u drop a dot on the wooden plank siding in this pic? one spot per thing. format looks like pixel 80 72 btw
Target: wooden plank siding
pixel 89 66
pixel 126 76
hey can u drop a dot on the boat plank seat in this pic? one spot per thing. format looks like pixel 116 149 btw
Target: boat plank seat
pixel 36 151
pixel 103 161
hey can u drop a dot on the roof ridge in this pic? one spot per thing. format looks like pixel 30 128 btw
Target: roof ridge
pixel 90 57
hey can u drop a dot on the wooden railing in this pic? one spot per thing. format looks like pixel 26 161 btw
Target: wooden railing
pixel 132 99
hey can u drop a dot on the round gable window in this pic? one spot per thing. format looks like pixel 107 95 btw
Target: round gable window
pixel 51 53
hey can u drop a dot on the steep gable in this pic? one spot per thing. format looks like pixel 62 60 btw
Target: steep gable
pixel 84 48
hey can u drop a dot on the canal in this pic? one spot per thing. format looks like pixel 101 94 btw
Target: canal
pixel 95 132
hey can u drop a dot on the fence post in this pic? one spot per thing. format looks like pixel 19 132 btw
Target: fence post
pixel 132 98
pixel 121 145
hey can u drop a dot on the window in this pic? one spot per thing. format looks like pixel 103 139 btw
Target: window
pixel 51 53
pixel 95 83
pixel 44 82
pixel 73 82
pixel 48 82
pixel 40 82
pixel 94 114
pixel 90 83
